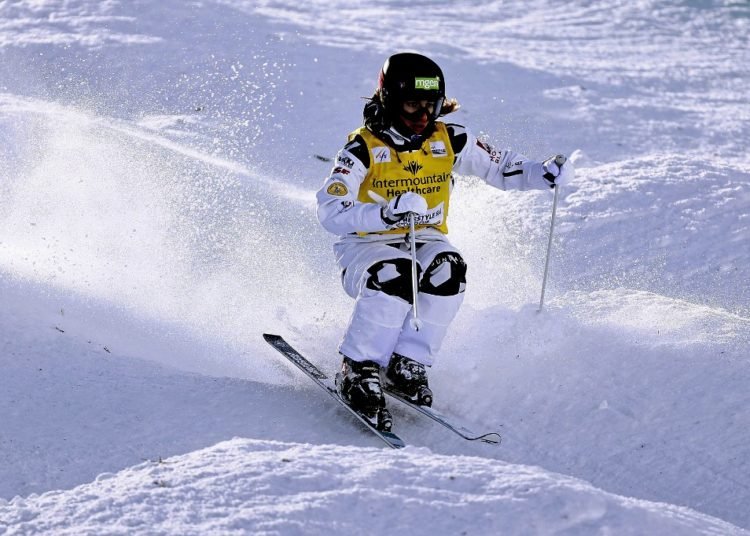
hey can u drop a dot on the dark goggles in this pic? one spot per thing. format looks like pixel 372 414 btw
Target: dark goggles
pixel 413 110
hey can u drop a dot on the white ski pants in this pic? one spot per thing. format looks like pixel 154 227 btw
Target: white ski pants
pixel 380 324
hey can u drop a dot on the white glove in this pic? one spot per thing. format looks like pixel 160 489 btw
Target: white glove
pixel 558 170
pixel 400 206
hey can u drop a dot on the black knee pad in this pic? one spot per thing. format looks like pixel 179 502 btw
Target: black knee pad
pixel 435 281
pixel 392 277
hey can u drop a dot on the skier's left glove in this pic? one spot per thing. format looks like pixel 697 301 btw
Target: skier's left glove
pixel 558 170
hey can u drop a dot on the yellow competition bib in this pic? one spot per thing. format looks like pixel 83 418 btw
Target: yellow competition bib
pixel 426 171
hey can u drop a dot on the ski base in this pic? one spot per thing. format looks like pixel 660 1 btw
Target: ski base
pixel 324 382
pixel 492 438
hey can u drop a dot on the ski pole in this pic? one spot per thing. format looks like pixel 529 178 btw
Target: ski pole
pixel 559 160
pixel 415 322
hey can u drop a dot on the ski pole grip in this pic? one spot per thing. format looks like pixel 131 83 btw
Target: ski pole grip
pixel 379 199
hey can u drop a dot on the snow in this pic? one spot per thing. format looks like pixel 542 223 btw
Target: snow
pixel 157 177
pixel 269 487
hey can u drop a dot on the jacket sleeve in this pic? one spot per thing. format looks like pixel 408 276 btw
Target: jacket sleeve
pixel 504 169
pixel 339 211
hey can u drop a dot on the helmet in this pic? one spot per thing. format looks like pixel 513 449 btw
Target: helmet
pixel 409 76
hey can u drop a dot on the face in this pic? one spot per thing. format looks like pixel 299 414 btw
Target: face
pixel 416 114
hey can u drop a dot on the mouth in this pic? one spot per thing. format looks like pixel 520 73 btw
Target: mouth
pixel 416 126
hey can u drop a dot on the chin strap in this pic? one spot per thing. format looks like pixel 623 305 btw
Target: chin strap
pixel 395 138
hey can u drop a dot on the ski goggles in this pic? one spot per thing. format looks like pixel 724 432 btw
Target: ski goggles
pixel 413 110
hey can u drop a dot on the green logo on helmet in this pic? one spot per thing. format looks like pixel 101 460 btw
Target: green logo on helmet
pixel 427 83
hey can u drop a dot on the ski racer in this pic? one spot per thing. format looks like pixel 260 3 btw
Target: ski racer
pixel 398 164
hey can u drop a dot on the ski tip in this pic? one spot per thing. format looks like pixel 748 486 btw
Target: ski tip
pixel 493 438
pixel 270 337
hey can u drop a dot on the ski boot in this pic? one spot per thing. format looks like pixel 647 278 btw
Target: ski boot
pixel 358 385
pixel 409 378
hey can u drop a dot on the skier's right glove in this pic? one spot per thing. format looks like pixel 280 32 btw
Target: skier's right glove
pixel 400 206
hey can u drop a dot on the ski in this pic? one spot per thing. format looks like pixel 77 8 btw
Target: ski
pixel 490 437
pixel 323 381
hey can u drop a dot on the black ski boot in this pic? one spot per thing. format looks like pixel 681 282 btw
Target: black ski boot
pixel 358 385
pixel 409 378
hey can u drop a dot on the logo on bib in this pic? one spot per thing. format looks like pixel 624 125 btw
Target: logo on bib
pixel 413 167
pixel 438 148
pixel 381 154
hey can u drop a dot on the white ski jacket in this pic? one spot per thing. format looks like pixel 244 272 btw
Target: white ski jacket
pixel 346 209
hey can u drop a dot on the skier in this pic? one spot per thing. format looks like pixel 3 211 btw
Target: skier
pixel 399 164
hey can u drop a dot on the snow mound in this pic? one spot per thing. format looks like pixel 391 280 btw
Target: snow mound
pixel 269 487
pixel 675 223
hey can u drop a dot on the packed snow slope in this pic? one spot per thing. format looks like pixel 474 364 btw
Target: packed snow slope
pixel 158 163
